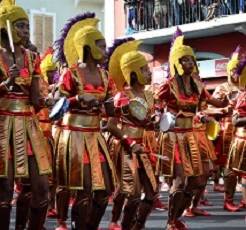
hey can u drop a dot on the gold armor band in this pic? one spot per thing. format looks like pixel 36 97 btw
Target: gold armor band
pixel 133 132
pixel 184 122
pixel 81 121
pixel 18 105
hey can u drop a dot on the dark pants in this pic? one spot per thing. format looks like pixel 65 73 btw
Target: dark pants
pixel 136 210
pixel 181 193
pixel 39 189
pixel 89 206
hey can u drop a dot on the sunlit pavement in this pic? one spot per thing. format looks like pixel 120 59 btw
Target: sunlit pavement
pixel 219 219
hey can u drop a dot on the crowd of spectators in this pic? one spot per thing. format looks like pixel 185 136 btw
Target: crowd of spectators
pixel 157 14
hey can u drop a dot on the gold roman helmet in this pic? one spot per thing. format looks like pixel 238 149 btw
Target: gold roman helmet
pixel 9 11
pixel 87 36
pixel 233 63
pixel 79 32
pixel 178 51
pixel 242 74
pixel 125 59
pixel 47 64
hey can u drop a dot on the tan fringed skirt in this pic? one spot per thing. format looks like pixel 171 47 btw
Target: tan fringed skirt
pixel 237 153
pixel 20 133
pixel 81 135
pixel 179 146
pixel 205 145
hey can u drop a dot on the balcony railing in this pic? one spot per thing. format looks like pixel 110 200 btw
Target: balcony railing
pixel 144 15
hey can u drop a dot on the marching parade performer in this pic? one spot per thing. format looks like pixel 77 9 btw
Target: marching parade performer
pixel 48 86
pixel 83 163
pixel 133 107
pixel 229 90
pixel 237 153
pixel 183 94
pixel 48 70
pixel 205 129
pixel 23 153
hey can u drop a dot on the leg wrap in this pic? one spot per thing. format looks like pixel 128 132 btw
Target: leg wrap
pixel 119 201
pixel 22 208
pixel 143 212
pixel 178 202
pixel 5 209
pixel 230 182
pixel 99 205
pixel 80 211
pixel 38 216
pixel 129 212
pixel 62 203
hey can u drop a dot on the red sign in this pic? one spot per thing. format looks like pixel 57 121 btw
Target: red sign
pixel 220 67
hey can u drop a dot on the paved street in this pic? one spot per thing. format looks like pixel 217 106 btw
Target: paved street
pixel 219 220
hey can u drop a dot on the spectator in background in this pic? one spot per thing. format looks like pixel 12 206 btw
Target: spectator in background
pixel 242 6
pixel 131 7
pixel 175 12
pixel 182 12
pixel 204 8
pixel 232 5
pixel 213 10
pixel 148 14
pixel 140 11
pixel 194 10
pixel 160 13
pixel 225 8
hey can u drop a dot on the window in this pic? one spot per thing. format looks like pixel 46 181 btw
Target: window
pixel 43 27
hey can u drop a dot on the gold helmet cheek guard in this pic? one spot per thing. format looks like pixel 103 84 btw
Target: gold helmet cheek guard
pixel 242 79
pixel 88 37
pixel 175 57
pixel 12 13
pixel 133 62
pixel 46 65
pixel 232 65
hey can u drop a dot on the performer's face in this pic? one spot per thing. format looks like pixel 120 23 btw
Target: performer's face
pixel 234 76
pixel 22 30
pixel 188 64
pixel 50 75
pixel 146 74
pixel 101 45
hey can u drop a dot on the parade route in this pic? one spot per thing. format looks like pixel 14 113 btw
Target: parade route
pixel 219 219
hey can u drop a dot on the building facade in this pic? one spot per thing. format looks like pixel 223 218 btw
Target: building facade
pixel 214 31
pixel 47 17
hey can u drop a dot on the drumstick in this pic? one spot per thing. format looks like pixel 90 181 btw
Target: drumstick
pixel 11 42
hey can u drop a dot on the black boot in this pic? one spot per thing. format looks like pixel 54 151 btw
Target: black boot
pixel 99 205
pixel 144 209
pixel 62 204
pixel 37 217
pixel 230 183
pixel 5 209
pixel 22 210
pixel 129 213
pixel 178 201
pixel 80 212
pixel 118 204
